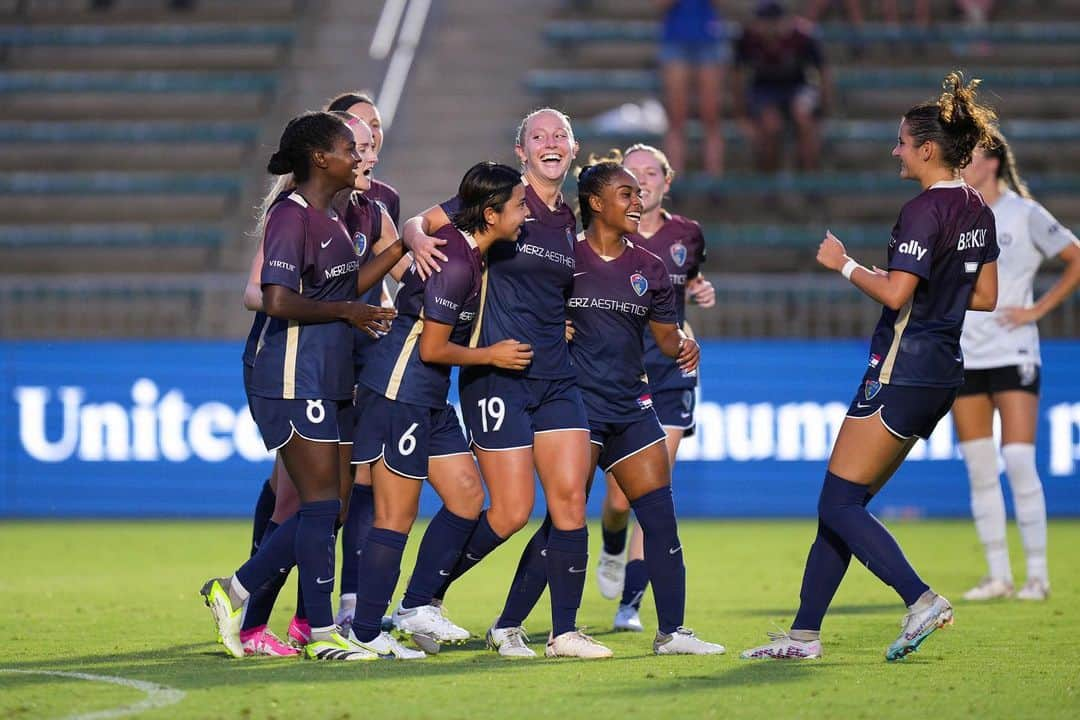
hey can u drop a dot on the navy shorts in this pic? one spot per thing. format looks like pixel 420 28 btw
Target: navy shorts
pixel 620 440
pixel 906 411
pixel 318 420
pixel 405 436
pixel 675 409
pixel 504 411
pixel 1026 377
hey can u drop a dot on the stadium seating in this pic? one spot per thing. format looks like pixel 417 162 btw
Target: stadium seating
pixel 125 141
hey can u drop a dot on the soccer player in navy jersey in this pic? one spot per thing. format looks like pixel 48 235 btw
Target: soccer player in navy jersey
pixel 301 378
pixel 407 433
pixel 534 419
pixel 362 106
pixel 942 261
pixel 622 292
pixel 679 243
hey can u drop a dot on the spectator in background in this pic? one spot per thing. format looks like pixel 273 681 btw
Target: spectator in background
pixel 694 56
pixel 815 9
pixel 780 74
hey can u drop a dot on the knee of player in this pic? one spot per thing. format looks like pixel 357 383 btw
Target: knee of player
pixel 396 519
pixel 507 520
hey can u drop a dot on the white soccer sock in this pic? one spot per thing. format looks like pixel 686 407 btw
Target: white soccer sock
pixel 988 504
pixel 1030 505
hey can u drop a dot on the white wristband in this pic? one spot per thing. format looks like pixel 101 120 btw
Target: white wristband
pixel 849 267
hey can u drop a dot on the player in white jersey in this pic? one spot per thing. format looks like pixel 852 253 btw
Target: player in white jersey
pixel 1001 371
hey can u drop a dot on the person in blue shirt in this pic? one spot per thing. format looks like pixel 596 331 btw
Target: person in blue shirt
pixel 300 382
pixel 942 262
pixel 407 432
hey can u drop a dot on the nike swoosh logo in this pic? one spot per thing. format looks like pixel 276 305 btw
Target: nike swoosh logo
pixel 470 556
pixel 543 553
pixel 530 219
pixel 575 570
pixel 862 405
pixel 326 244
pixel 672 551
pixel 685 415
pixel 580 274
pixel 444 573
pixel 320 581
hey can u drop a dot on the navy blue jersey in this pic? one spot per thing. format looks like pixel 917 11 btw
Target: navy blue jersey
pixel 611 305
pixel 680 244
pixel 944 235
pixel 363 219
pixel 311 253
pixel 388 197
pixel 452 297
pixel 526 286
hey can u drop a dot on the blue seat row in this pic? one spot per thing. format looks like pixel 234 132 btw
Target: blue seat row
pixel 38 81
pixel 126 183
pixel 126 132
pixel 109 235
pixel 131 35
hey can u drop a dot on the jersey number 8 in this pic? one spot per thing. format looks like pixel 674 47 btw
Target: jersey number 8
pixel 494 407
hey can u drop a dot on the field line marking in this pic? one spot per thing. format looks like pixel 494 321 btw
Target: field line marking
pixel 156 695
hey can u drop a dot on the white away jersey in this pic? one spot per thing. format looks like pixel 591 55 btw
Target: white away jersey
pixel 1027 234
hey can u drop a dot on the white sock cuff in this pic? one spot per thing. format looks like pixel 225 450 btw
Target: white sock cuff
pixel 238 589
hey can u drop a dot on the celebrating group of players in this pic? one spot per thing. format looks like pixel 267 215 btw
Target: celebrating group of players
pixel 574 355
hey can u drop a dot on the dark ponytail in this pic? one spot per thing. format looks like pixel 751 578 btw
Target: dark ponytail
pixel 304 135
pixel 1006 169
pixel 955 121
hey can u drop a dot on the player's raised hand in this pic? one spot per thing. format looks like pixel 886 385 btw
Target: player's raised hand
pixel 511 355
pixel 831 253
pixel 1013 317
pixel 701 292
pixel 373 320
pixel 689 355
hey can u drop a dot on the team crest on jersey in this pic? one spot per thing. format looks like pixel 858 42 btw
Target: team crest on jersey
pixel 645 401
pixel 639 283
pixel 873 387
pixel 360 243
pixel 570 237
pixel 678 254
pixel 1004 239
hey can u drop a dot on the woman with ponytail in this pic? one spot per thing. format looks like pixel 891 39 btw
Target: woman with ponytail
pixel 301 378
pixel 942 261
pixel 1001 372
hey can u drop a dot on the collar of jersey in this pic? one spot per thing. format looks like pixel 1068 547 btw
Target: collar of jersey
pixel 945 184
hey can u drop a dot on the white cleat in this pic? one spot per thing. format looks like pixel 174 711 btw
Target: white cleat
pixel 990 588
pixel 611 574
pixel 918 625
pixel 627 619
pixel 1034 589
pixel 227 619
pixel 428 620
pixel 784 647
pixel 387 648
pixel 576 644
pixel 684 642
pixel 509 642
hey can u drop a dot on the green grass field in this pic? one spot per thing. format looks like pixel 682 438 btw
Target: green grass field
pixel 120 599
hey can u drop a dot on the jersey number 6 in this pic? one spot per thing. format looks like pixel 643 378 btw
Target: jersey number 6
pixel 407 443
pixel 494 407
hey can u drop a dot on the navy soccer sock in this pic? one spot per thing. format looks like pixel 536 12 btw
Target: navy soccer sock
pixel 842 509
pixel 264 510
pixel 261 603
pixel 614 540
pixel 567 560
pixel 655 511
pixel 353 534
pixel 380 566
pixel 440 549
pixel 482 541
pixel 826 565
pixel 315 560
pixel 637 580
pixel 529 582
pixel 276 553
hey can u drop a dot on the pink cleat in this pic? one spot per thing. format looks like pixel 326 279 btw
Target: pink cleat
pixel 299 632
pixel 260 641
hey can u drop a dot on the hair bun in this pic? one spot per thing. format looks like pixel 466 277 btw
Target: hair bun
pixel 279 164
